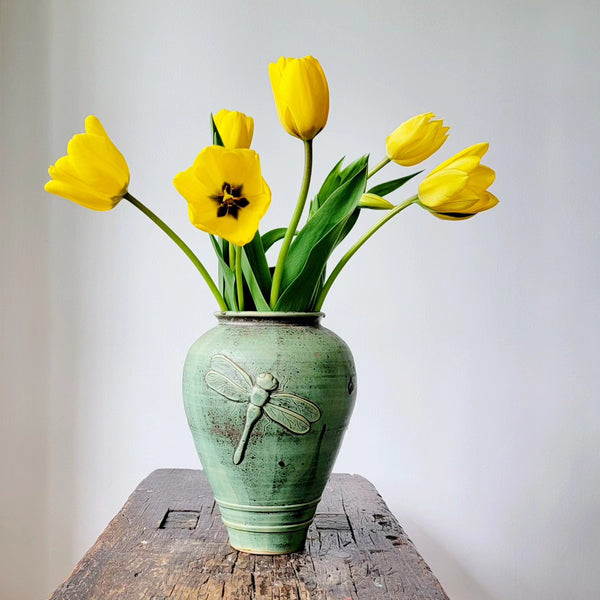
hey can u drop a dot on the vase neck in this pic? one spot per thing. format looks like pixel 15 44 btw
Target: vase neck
pixel 281 318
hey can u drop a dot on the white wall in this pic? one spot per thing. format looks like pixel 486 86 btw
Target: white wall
pixel 478 416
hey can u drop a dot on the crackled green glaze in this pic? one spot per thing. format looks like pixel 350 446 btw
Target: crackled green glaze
pixel 268 397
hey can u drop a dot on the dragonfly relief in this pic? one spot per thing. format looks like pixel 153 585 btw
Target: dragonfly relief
pixel 292 412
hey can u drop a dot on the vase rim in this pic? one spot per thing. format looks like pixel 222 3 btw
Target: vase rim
pixel 252 314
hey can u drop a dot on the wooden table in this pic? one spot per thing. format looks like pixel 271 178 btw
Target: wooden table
pixel 168 543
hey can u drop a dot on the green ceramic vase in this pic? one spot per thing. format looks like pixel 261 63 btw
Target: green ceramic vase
pixel 268 397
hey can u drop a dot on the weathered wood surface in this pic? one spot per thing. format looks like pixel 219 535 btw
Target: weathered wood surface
pixel 168 543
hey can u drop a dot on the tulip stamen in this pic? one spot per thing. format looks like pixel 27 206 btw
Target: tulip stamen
pixel 230 200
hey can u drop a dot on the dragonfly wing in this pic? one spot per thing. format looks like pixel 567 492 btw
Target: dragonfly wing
pixel 290 420
pixel 226 387
pixel 303 407
pixel 224 365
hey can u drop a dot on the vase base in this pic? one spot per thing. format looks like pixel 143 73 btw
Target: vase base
pixel 267 543
pixel 260 529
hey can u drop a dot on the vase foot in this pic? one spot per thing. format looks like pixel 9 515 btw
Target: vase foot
pixel 267 543
pixel 258 529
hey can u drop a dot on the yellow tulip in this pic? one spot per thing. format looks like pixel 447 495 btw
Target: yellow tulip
pixel 235 128
pixel 301 95
pixel 94 172
pixel 457 189
pixel 226 193
pixel 416 140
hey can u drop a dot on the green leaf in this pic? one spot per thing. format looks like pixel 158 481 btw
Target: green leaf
pixel 229 292
pixel 269 238
pixel 308 255
pixel 348 225
pixel 389 186
pixel 257 259
pixel 221 249
pixel 349 171
pixel 302 293
pixel 216 136
pixel 353 168
pixel 253 285
pixel 332 182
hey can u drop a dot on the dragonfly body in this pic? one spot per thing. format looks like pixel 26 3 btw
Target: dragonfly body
pixel 261 391
pixel 262 388
pixel 253 414
pixel 294 413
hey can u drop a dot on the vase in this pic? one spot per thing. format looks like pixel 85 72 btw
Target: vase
pixel 268 397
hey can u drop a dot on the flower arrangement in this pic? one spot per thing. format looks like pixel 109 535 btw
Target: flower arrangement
pixel 227 196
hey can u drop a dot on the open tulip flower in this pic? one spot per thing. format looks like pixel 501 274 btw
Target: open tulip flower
pixel 235 128
pixel 226 193
pixel 416 140
pixel 227 196
pixel 301 95
pixel 94 173
pixel 457 189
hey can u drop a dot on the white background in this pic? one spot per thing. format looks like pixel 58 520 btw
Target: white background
pixel 478 416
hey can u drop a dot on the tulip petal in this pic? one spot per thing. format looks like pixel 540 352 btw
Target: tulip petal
pixel 477 150
pixel 487 201
pixel 93 125
pixel 436 190
pixel 75 193
pixel 482 177
pixel 97 161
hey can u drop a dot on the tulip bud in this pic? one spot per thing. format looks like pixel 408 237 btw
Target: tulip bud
pixel 457 189
pixel 301 95
pixel 375 202
pixel 416 140
pixel 235 128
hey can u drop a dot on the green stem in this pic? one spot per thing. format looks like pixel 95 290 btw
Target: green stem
pixel 238 277
pixel 352 251
pixel 378 166
pixel 231 256
pixel 291 230
pixel 183 246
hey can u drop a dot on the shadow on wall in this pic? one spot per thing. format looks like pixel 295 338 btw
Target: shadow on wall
pixel 38 398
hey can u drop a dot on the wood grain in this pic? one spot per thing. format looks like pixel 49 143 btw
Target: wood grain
pixel 168 543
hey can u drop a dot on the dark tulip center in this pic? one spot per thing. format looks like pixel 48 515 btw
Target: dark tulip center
pixel 230 200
